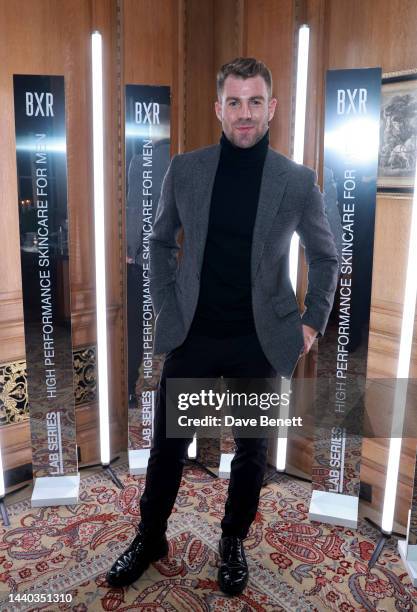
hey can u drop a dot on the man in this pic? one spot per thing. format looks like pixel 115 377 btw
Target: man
pixel 226 307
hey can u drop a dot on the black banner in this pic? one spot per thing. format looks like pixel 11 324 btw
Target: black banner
pixel 350 171
pixel 147 136
pixel 39 103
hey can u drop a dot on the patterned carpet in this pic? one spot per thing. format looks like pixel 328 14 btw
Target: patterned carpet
pixel 294 564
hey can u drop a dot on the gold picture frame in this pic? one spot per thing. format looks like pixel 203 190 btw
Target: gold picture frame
pixel 398 132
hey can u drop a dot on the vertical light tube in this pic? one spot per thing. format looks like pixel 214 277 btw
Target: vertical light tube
pixel 192 449
pixel 403 369
pixel 301 93
pixel 299 129
pixel 99 235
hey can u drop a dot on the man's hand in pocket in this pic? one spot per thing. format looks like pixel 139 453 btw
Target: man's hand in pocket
pixel 309 337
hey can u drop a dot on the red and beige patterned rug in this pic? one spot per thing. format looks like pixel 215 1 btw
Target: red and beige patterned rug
pixel 294 564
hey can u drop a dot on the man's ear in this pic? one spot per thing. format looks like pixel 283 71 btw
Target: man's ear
pixel 271 108
pixel 218 110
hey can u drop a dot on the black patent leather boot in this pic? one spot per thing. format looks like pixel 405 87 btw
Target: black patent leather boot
pixel 131 564
pixel 233 572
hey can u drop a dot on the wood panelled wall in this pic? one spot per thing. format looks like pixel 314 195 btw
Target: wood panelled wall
pixel 54 38
pixel 359 34
pixel 182 43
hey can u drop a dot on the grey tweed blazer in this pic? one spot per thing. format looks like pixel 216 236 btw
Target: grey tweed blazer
pixel 289 201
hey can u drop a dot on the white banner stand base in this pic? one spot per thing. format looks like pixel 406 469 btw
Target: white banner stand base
pixel 409 556
pixel 56 490
pixel 224 467
pixel 334 508
pixel 138 460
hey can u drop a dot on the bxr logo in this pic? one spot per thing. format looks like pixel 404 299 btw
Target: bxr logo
pixel 39 104
pixel 146 113
pixel 351 101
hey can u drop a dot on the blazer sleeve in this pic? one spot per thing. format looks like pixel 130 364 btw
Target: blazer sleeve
pixel 322 259
pixel 164 245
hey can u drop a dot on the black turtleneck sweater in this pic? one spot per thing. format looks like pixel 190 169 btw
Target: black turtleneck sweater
pixel 225 300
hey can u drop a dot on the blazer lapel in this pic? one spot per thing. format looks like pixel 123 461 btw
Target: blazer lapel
pixel 274 181
pixel 204 175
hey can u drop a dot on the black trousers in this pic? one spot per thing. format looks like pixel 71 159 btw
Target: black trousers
pixel 202 357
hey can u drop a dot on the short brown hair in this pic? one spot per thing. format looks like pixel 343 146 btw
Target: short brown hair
pixel 245 68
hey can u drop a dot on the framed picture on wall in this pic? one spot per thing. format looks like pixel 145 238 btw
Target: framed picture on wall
pixel 398 132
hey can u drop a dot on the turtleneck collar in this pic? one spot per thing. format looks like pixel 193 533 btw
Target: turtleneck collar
pixel 241 156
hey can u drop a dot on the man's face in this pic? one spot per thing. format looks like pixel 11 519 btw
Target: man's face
pixel 245 110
